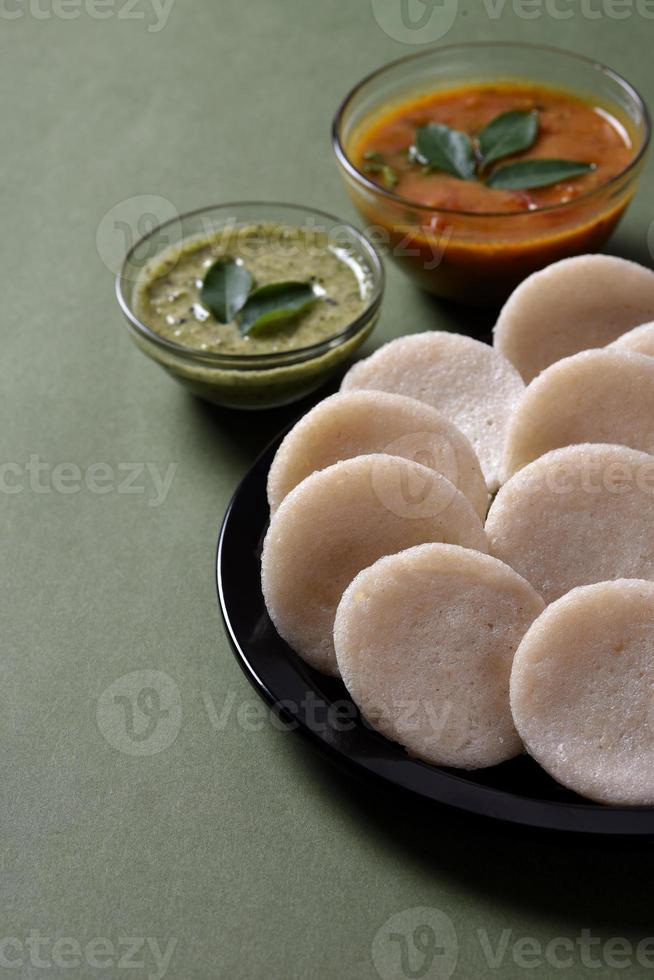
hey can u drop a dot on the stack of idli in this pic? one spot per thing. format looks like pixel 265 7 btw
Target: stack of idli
pixel 581 334
pixel 362 422
pixel 571 306
pixel 340 520
pixel 604 396
pixel 470 383
pixel 466 636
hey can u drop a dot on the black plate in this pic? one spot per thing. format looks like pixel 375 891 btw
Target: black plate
pixel 319 707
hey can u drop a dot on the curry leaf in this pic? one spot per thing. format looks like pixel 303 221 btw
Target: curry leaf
pixel 506 134
pixel 536 173
pixel 374 160
pixel 447 149
pixel 389 177
pixel 375 164
pixel 225 289
pixel 275 303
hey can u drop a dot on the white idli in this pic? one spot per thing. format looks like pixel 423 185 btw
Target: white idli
pixel 640 339
pixel 577 515
pixel 341 520
pixel 581 691
pixel 469 382
pixel 361 422
pixel 425 640
pixel 598 396
pixel 570 306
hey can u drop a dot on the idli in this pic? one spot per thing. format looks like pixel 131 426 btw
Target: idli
pixel 577 515
pixel 425 641
pixel 640 339
pixel 470 383
pixel 361 422
pixel 341 520
pixel 570 306
pixel 581 691
pixel 598 396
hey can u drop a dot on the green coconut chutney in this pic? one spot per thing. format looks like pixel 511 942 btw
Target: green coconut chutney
pixel 167 295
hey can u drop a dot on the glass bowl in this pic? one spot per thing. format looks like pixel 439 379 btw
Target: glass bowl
pixel 251 381
pixel 479 258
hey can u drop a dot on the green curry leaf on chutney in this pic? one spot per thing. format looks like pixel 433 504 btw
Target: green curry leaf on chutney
pixel 276 303
pixel 225 289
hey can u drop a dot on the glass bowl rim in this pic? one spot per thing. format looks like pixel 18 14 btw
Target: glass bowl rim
pixel 598 66
pixel 276 358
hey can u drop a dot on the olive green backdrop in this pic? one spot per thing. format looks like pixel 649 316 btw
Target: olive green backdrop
pixel 165 806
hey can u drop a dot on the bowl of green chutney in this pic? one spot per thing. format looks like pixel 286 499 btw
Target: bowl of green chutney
pixel 162 292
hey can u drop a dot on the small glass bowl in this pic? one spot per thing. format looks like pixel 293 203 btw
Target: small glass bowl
pixel 479 257
pixel 251 381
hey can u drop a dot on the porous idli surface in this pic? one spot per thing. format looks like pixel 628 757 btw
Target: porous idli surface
pixel 470 383
pixel 581 691
pixel 358 423
pixel 342 519
pixel 572 305
pixel 425 641
pixel 604 396
pixel 640 339
pixel 575 516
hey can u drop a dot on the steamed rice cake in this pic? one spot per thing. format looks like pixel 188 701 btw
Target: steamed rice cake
pixel 581 691
pixel 470 383
pixel 604 396
pixel 342 519
pixel 575 516
pixel 425 641
pixel 640 339
pixel 572 305
pixel 357 423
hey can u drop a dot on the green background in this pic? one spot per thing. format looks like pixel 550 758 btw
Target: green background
pixel 235 841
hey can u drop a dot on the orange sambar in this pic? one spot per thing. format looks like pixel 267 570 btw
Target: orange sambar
pixel 465 240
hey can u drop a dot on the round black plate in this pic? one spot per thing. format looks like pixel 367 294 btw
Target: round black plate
pixel 319 707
